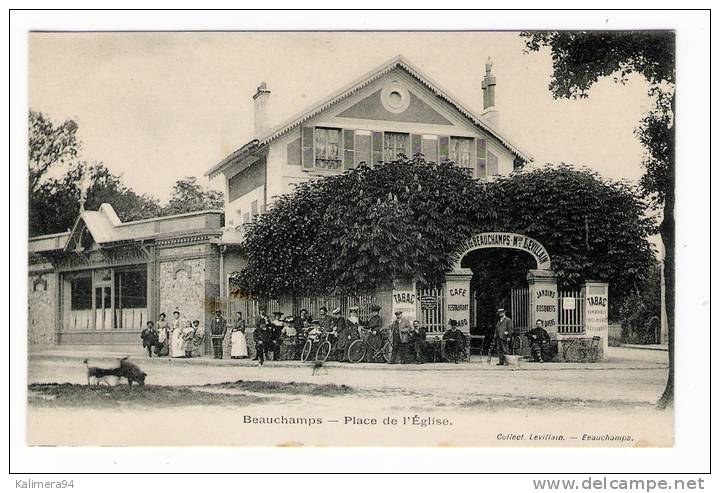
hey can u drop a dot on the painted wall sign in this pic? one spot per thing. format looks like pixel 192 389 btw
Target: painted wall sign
pixel 428 302
pixel 458 299
pixel 404 299
pixel 544 305
pixel 503 240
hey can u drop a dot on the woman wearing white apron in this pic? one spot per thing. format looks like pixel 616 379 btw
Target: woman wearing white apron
pixel 176 340
pixel 238 342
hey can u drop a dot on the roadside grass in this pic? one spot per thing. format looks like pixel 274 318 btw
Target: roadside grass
pixel 292 388
pixel 74 395
pixel 239 393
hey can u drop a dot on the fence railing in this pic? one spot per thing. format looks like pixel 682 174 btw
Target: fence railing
pixel 313 304
pixel 250 307
pixel 571 312
pixel 520 307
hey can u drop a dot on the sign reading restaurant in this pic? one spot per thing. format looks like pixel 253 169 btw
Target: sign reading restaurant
pixel 503 240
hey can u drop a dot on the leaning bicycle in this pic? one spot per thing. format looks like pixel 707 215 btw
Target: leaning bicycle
pixel 319 344
pixel 371 346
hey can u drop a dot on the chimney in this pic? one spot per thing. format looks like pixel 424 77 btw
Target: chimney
pixel 490 113
pixel 261 101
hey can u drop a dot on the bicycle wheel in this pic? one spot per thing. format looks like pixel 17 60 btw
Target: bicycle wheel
pixel 386 351
pixel 356 351
pixel 306 350
pixel 517 345
pixel 571 353
pixel 323 351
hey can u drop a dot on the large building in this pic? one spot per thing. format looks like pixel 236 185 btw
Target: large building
pixel 390 110
pixel 100 282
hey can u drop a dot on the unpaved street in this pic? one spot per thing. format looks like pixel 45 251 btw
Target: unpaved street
pixel 474 403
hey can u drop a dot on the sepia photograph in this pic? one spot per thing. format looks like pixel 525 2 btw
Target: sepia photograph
pixel 351 238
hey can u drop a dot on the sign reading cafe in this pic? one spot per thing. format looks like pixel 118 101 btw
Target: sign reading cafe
pixel 503 240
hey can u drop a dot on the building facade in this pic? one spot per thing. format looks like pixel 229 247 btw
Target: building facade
pixel 102 281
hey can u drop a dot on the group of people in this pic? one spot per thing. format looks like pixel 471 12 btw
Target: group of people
pixel 538 338
pixel 282 338
pixel 181 338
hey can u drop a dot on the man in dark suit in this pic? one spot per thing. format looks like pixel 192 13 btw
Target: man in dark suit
pixel 417 339
pixel 218 327
pixel 261 322
pixel 400 337
pixel 503 332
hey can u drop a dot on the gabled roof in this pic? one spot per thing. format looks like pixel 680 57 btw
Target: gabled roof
pixel 106 229
pixel 355 86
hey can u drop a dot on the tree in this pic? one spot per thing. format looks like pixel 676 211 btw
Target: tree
pixel 190 196
pixel 404 219
pixel 49 144
pixel 579 60
pixel 54 206
pixel 348 232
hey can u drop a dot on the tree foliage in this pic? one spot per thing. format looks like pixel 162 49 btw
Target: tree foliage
pixel 189 196
pixel 348 232
pixel 404 219
pixel 54 206
pixel 49 144
pixel 579 60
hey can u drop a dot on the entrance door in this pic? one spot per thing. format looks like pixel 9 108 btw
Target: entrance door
pixel 103 308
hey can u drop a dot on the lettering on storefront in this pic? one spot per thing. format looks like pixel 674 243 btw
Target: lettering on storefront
pixel 403 299
pixel 458 306
pixel 503 240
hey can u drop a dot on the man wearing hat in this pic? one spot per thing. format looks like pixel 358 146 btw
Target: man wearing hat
pixel 503 331
pixel 262 321
pixel 400 335
pixel 276 328
pixel 455 339
pixel 347 332
pixel 218 327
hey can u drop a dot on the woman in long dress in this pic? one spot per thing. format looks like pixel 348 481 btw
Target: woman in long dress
pixel 176 340
pixel 163 329
pixel 188 339
pixel 238 342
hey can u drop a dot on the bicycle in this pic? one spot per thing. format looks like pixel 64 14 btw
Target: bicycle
pixel 454 352
pixel 320 342
pixel 579 350
pixel 365 345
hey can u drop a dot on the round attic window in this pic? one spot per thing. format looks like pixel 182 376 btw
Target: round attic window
pixel 395 98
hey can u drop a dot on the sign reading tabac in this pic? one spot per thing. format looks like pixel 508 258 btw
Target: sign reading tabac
pixel 503 240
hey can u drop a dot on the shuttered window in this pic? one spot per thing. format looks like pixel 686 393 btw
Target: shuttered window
pixel 394 144
pixel 460 151
pixel 327 148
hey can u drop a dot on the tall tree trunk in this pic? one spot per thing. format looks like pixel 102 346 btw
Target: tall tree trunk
pixel 667 233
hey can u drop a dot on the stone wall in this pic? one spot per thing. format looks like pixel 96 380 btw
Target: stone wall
pixel 189 285
pixel 42 306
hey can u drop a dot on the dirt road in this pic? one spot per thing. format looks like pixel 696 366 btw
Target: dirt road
pixel 467 404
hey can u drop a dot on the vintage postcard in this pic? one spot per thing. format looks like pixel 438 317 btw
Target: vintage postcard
pixel 351 238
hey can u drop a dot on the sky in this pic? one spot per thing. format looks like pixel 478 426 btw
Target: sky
pixel 157 107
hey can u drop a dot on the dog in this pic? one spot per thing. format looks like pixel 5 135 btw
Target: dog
pixel 131 372
pixel 126 369
pixel 98 376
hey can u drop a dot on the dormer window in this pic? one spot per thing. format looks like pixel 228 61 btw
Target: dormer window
pixel 327 148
